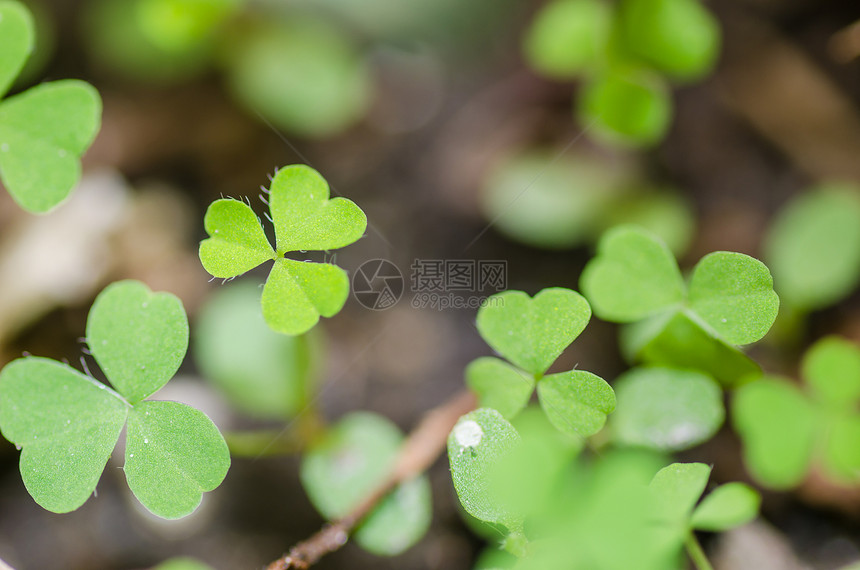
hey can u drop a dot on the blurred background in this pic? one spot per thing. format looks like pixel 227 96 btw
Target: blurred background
pixel 503 130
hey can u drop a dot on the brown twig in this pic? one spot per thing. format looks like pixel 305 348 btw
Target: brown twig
pixel 419 451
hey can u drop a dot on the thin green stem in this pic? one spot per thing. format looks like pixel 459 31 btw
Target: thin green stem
pixel 697 554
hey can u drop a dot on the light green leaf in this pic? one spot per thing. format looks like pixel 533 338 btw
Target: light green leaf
pixel 734 294
pixel 476 445
pixel 173 454
pixel 677 340
pixel 297 293
pixel 17 40
pixel 237 243
pixel 576 402
pixel 568 37
pixel 813 246
pixel 399 521
pixel 840 455
pixel 304 216
pixel 66 423
pixel 777 426
pixel 499 385
pixel 626 108
pixel 348 463
pixel 139 338
pixel 43 133
pixel 634 275
pixel 727 506
pixel 678 37
pixel 831 367
pixel 265 374
pixel 532 333
pixel 182 564
pixel 666 409
pixel 301 74
pixel 677 488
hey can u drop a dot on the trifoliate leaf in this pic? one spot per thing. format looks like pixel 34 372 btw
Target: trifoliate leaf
pixel 568 37
pixel 532 333
pixel 777 425
pixel 139 338
pixel 348 463
pixel 678 37
pixel 173 454
pixel 43 133
pixel 734 294
pixel 576 402
pixel 628 109
pixel 66 424
pixel 499 385
pixel 666 409
pixel 831 367
pixel 263 373
pixel 813 246
pixel 727 506
pixel 238 242
pixel 633 276
pixel 677 488
pixel 476 446
pixel 297 293
pixel 17 40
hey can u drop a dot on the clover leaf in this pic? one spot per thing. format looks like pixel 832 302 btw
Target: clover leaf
pixel 786 429
pixel 532 333
pixel 729 301
pixel 296 293
pixel 44 130
pixel 666 409
pixel 67 423
pixel 677 489
pixel 350 461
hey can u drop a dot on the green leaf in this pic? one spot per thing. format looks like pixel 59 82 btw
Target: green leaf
pixel 568 37
pixel 677 340
pixel 304 216
pixel 301 74
pixel 628 109
pixel 813 246
pixel 777 426
pixel 263 373
pixel 238 242
pixel 66 423
pixel 17 40
pixel 634 275
pixel 840 455
pixel 182 564
pixel 348 463
pixel 532 333
pixel 831 367
pixel 576 402
pixel 666 409
pixel 476 445
pixel 734 294
pixel 727 506
pixel 139 338
pixel 499 385
pixel 173 454
pixel 43 133
pixel 677 488
pixel 297 293
pixel 678 37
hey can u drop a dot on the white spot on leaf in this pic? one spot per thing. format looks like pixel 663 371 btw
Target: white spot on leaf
pixel 468 434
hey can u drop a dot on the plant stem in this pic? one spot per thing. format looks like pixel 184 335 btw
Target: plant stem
pixel 420 450
pixel 697 554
